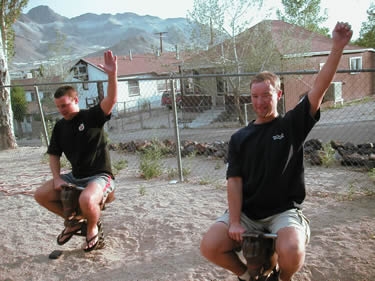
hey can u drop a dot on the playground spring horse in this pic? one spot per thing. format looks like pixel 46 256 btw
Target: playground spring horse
pixel 258 249
pixel 73 216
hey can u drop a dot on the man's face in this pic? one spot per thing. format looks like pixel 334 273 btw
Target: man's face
pixel 67 106
pixel 264 98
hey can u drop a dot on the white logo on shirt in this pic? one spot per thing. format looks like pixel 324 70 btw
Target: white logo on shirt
pixel 278 137
pixel 81 127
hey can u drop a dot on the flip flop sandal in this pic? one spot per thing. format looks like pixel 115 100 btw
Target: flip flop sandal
pixel 100 243
pixel 81 231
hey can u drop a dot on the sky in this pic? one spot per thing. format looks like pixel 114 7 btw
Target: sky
pixel 352 11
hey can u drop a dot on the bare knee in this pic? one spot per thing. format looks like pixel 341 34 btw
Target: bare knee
pixel 90 198
pixel 38 196
pixel 85 200
pixel 207 247
pixel 291 254
pixel 45 193
pixel 216 241
pixel 291 250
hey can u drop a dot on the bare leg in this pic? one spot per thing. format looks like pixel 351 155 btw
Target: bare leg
pixel 89 202
pixel 290 248
pixel 49 198
pixel 217 247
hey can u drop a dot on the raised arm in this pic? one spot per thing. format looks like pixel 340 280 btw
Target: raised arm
pixel 341 36
pixel 110 67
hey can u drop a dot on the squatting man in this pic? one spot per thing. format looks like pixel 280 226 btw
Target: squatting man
pixel 265 174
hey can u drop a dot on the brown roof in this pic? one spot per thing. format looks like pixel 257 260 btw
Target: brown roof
pixel 298 35
pixel 139 64
pixel 29 83
pixel 272 36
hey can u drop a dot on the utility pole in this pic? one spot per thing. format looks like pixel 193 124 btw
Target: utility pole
pixel 161 40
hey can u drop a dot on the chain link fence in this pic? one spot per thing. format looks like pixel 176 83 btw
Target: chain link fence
pixel 186 119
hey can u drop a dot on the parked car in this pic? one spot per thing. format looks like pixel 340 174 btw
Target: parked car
pixel 166 99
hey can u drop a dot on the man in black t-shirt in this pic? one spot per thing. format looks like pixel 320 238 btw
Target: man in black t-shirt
pixel 265 174
pixel 81 137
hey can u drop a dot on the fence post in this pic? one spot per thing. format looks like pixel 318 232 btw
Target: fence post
pixel 45 132
pixel 140 112
pixel 245 110
pixel 176 131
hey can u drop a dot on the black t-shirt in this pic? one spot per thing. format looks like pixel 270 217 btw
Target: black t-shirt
pixel 269 159
pixel 84 143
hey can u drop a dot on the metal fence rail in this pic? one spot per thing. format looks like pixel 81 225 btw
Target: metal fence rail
pixel 196 115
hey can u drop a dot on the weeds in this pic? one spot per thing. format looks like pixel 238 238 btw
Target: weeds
pixel 142 190
pixel 328 155
pixel 49 126
pixel 369 192
pixel 371 174
pixel 64 163
pixel 351 192
pixel 219 185
pixel 119 165
pixel 204 181
pixel 350 195
pixel 173 173
pixel 186 171
pixel 150 165
pixel 218 165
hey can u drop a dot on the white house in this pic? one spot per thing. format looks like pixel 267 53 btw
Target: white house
pixel 141 79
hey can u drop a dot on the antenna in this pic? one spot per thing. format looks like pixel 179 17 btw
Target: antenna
pixel 161 40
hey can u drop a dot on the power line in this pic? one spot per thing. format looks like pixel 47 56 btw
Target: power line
pixel 161 40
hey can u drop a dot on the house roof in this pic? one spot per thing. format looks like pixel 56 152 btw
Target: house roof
pixel 29 83
pixel 140 64
pixel 268 37
pixel 298 35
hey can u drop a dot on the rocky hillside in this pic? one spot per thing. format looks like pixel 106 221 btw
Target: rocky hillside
pixel 39 32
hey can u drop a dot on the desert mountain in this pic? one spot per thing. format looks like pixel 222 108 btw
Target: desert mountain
pixel 42 34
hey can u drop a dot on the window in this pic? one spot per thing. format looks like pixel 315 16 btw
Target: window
pixel 355 64
pixel 80 72
pixel 221 86
pixel 82 69
pixel 133 87
pixel 163 85
pixel 29 96
pixel 91 101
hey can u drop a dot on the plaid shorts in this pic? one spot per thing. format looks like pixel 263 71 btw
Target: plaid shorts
pixel 104 180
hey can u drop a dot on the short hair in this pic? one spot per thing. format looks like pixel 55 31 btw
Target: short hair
pixel 65 90
pixel 267 76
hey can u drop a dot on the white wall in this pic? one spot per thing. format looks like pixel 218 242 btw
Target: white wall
pixel 148 91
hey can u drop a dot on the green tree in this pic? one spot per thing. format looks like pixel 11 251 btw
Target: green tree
pixel 367 32
pixel 208 19
pixel 214 21
pixel 19 106
pixel 59 65
pixel 10 11
pixel 304 13
pixel 56 50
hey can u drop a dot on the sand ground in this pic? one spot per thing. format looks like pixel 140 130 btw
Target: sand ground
pixel 153 228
